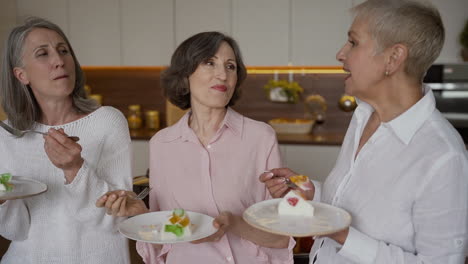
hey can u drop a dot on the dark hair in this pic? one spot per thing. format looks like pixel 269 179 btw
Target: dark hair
pixel 185 60
pixel 17 99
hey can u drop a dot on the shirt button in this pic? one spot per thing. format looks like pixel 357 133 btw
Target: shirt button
pixel 209 146
pixel 229 258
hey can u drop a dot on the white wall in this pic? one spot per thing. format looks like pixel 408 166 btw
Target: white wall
pixel 270 32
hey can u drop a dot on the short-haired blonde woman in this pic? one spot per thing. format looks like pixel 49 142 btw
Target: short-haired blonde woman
pixel 42 88
pixel 403 171
pixel 209 160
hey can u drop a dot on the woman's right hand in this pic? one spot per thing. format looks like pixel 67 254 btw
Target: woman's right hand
pixel 276 184
pixel 121 203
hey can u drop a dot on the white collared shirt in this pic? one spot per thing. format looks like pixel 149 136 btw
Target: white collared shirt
pixel 407 190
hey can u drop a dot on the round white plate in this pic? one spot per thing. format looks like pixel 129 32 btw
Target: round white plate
pixel 327 219
pixel 202 226
pixel 24 187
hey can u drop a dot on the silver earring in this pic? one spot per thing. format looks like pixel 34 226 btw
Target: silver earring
pixel 386 73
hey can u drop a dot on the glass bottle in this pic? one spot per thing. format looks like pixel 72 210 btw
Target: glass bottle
pixel 134 117
pixel 152 119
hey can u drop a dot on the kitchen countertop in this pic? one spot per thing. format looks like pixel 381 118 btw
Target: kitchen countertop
pixel 314 138
pixel 320 138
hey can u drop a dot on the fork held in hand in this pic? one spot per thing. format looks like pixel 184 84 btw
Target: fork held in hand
pixel 143 193
pixel 288 182
pixel 20 133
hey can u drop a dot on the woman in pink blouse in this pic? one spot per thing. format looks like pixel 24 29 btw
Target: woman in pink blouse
pixel 208 162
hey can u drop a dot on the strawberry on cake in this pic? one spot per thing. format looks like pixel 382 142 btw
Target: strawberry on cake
pixel 293 204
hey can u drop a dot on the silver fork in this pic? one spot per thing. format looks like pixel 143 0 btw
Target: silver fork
pixel 20 133
pixel 288 182
pixel 143 194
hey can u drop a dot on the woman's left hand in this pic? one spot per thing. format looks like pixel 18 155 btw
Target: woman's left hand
pixel 63 152
pixel 222 223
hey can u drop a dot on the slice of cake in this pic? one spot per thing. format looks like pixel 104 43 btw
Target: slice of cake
pixel 149 232
pixel 293 204
pixel 301 181
pixel 5 185
pixel 177 226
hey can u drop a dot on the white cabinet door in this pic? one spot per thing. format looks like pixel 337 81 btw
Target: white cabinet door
pixel 192 17
pixel 357 2
pixel 147 32
pixel 95 31
pixel 140 154
pixel 54 10
pixel 315 161
pixel 454 16
pixel 262 29
pixel 319 30
pixel 7 22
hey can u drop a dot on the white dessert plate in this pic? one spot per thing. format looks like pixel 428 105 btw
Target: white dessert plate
pixel 202 226
pixel 23 187
pixel 327 219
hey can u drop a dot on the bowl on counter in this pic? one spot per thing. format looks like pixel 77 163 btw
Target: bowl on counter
pixel 292 125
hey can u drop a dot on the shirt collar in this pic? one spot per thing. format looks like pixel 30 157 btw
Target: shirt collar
pixel 181 130
pixel 406 124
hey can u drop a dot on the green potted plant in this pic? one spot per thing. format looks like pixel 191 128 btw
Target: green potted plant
pixel 464 42
pixel 283 91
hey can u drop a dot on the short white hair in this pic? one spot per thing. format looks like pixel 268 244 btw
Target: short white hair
pixel 415 24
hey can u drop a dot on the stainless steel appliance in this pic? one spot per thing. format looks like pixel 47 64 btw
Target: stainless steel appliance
pixel 449 83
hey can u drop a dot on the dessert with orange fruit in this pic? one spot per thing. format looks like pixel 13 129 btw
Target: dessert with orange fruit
pixel 178 226
pixel 301 181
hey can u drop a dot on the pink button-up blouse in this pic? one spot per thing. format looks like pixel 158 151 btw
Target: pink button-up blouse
pixel 223 176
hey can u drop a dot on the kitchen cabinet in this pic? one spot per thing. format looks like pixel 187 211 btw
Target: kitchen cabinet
pixel 262 29
pixel 316 38
pixel 7 21
pixel 454 16
pixel 147 32
pixel 192 17
pixel 54 10
pixel 270 32
pixel 95 31
pixel 140 149
pixel 315 161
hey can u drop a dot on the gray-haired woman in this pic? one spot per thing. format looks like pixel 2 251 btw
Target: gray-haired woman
pixel 43 89
pixel 403 171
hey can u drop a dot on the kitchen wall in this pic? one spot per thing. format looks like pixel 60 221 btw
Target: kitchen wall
pixel 270 32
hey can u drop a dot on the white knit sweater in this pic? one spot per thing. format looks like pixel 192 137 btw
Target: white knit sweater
pixel 63 225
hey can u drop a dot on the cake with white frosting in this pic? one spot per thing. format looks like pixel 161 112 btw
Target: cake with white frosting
pixel 293 204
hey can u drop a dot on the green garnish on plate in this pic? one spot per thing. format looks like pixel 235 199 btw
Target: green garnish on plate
pixel 175 229
pixel 5 181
